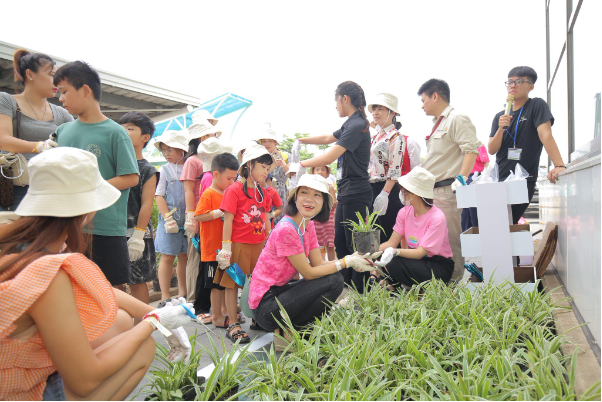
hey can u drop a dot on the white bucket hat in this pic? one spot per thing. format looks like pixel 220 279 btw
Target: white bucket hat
pixel 173 138
pixel 419 181
pixel 387 100
pixel 254 151
pixel 202 115
pixel 266 133
pixel 197 130
pixel 314 181
pixel 209 149
pixel 65 182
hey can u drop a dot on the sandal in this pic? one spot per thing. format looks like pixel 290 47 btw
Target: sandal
pixel 163 303
pixel 205 318
pixel 239 335
pixel 254 326
pixel 226 323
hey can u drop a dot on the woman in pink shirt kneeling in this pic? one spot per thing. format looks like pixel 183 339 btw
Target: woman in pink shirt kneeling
pixel 292 242
pixel 421 228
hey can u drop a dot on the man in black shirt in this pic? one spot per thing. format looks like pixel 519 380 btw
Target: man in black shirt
pixel 520 136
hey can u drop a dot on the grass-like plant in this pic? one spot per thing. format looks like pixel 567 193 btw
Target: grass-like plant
pixel 364 224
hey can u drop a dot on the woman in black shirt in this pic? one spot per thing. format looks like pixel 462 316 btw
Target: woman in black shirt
pixel 352 150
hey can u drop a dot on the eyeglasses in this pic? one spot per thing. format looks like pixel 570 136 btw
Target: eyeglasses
pixel 518 82
pixel 167 151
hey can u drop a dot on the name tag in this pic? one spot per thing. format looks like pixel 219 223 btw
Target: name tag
pixel 514 153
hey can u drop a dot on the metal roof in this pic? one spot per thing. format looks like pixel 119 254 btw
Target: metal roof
pixel 119 94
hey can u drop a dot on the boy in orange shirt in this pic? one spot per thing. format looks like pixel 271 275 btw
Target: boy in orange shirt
pixel 224 168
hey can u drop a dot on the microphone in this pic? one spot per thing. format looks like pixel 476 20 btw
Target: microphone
pixel 509 101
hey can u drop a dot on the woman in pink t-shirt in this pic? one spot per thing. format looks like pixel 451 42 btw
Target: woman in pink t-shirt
pixel 292 242
pixel 421 229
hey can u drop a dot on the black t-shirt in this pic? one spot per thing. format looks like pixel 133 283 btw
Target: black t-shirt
pixel 534 113
pixel 352 170
pixel 135 198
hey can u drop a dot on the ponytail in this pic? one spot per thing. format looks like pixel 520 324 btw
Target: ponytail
pixel 24 60
pixel 356 95
pixel 396 123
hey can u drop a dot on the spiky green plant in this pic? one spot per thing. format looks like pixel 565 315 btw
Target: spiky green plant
pixel 364 224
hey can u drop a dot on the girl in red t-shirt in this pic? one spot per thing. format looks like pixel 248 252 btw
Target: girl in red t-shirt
pixel 246 225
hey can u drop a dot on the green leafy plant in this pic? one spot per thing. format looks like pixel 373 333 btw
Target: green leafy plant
pixel 363 225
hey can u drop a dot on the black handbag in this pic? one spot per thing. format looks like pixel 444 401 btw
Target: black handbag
pixel 7 190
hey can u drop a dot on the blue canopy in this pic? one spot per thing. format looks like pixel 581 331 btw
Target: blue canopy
pixel 218 107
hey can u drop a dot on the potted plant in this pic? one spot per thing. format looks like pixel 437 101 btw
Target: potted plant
pixel 365 232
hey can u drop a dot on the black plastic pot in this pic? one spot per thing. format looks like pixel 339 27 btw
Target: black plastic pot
pixel 366 242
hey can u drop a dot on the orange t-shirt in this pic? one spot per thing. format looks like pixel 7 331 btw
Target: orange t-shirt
pixel 25 363
pixel 211 231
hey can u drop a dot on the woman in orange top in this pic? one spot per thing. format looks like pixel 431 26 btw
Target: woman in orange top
pixel 59 313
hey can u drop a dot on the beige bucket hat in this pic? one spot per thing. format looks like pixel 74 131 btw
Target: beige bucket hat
pixel 65 182
pixel 387 100
pixel 254 151
pixel 203 115
pixel 266 133
pixel 211 147
pixel 419 181
pixel 173 138
pixel 314 181
pixel 203 128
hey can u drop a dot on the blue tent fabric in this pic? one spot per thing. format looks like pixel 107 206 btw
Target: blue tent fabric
pixel 218 107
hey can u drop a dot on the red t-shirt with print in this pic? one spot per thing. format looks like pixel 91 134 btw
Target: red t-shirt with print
pixel 249 214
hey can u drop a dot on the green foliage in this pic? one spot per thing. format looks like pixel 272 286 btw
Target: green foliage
pixel 367 224
pixel 287 144
pixel 435 342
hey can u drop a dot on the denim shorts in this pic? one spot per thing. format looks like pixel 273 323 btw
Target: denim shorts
pixel 170 243
pixel 55 390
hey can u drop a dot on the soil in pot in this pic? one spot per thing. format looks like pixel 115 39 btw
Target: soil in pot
pixel 366 242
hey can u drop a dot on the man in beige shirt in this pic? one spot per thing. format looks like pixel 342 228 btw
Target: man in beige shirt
pixel 452 148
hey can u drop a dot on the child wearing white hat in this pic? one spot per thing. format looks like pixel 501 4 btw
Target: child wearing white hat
pixel 171 240
pixel 422 230
pixel 59 307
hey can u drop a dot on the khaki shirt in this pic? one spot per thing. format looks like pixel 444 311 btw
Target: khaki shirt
pixel 445 149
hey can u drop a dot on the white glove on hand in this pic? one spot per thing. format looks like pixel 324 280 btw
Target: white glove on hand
pixel 359 262
pixel 270 215
pixel 223 257
pixel 190 225
pixel 45 145
pixel 136 245
pixel 381 202
pixel 387 256
pixel 171 226
pixel 172 316
pixel 217 213
pixel 296 151
pixel 457 183
pixel 179 346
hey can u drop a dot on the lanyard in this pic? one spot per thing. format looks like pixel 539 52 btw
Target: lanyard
pixel 516 126
pixel 436 125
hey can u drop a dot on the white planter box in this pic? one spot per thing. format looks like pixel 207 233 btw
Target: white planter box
pixel 516 193
pixel 520 240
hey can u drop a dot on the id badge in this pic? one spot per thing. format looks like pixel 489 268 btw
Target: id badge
pixel 339 174
pixel 514 153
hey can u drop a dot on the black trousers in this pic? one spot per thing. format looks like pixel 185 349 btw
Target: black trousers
pixel 409 272
pixel 387 221
pixel 469 215
pixel 519 209
pixel 343 239
pixel 302 300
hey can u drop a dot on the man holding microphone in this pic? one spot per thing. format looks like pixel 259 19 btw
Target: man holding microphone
pixel 452 148
pixel 520 135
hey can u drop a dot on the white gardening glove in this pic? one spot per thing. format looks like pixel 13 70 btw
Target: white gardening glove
pixel 190 225
pixel 223 257
pixel 296 151
pixel 217 213
pixel 359 262
pixel 179 346
pixel 45 145
pixel 457 183
pixel 381 202
pixel 172 316
pixel 387 256
pixel 171 226
pixel 136 245
pixel 270 215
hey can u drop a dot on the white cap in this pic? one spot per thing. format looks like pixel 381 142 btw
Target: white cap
pixel 198 130
pixel 65 182
pixel 209 149
pixel 254 151
pixel 419 181
pixel 266 133
pixel 174 139
pixel 314 181
pixel 387 100
pixel 203 115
